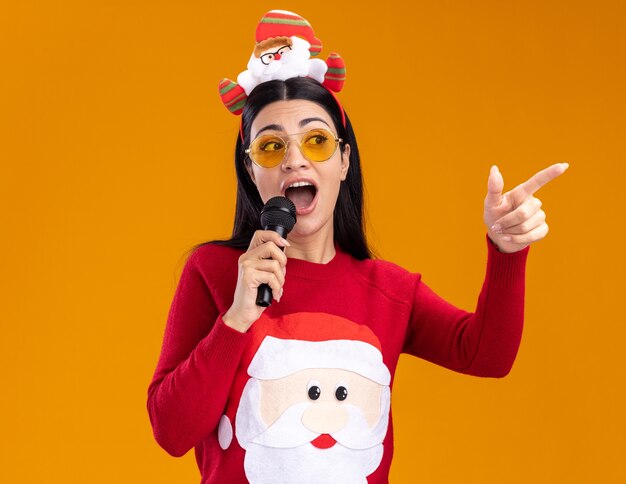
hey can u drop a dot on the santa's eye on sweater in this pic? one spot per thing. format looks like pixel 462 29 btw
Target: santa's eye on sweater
pixel 341 393
pixel 314 390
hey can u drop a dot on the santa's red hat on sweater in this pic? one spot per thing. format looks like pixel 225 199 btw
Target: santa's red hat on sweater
pixel 300 341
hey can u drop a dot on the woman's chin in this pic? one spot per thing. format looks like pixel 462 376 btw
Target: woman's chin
pixel 309 226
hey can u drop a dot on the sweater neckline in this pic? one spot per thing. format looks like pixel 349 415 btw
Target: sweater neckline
pixel 312 270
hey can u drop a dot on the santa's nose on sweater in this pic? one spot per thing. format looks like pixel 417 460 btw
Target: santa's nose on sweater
pixel 325 417
pixel 277 56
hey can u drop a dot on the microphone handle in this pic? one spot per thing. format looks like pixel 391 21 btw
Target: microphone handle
pixel 264 292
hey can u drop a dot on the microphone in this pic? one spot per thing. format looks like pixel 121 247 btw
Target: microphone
pixel 279 215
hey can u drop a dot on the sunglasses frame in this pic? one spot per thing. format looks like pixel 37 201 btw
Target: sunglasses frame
pixel 332 136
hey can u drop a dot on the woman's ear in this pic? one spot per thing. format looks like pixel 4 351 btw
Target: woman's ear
pixel 345 161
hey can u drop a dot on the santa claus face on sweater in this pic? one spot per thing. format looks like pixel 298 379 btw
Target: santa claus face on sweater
pixel 317 424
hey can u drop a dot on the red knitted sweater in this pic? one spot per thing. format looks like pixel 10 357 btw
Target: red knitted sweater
pixel 305 391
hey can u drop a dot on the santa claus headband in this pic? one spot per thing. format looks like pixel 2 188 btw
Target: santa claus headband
pixel 285 43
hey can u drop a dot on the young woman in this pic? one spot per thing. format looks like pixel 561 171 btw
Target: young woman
pixel 300 391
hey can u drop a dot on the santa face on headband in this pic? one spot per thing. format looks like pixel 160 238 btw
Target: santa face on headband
pixel 281 58
pixel 285 43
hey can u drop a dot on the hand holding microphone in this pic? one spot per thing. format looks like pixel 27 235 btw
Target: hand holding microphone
pixel 262 266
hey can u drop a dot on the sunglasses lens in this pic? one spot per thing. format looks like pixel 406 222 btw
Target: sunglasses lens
pixel 318 145
pixel 267 150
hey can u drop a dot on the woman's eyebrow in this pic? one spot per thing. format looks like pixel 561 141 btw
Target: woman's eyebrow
pixel 273 127
pixel 278 127
pixel 310 120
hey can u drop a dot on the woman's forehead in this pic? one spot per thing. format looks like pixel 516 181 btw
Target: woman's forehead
pixel 288 116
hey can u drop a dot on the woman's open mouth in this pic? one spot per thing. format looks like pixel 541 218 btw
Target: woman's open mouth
pixel 303 194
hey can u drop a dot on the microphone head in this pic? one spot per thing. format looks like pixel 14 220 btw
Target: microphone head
pixel 279 212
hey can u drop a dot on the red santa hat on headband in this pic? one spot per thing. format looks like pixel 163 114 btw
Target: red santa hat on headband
pixel 281 23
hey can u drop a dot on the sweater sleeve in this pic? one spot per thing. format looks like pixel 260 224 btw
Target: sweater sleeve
pixel 199 356
pixel 482 343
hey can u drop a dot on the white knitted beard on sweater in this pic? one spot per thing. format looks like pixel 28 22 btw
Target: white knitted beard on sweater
pixel 283 453
pixel 310 465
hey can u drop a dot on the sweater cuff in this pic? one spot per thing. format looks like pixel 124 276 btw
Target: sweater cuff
pixel 505 268
pixel 225 344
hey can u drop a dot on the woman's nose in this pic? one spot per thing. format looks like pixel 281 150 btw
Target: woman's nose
pixel 293 156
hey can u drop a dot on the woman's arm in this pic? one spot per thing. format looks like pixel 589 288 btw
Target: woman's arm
pixel 483 343
pixel 202 346
pixel 199 356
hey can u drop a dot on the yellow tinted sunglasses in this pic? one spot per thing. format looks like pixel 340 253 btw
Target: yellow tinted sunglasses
pixel 269 150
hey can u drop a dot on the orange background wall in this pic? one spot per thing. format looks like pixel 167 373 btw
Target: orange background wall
pixel 116 157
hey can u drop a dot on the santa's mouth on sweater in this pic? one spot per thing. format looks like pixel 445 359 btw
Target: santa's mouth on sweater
pixel 324 441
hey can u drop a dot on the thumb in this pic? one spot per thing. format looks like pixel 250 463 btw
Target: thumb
pixel 495 185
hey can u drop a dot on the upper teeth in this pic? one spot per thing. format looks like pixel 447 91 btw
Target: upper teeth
pixel 300 184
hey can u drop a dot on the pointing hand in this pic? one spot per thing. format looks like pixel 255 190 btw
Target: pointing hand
pixel 515 219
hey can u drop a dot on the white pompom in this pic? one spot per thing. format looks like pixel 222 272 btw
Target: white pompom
pixel 225 432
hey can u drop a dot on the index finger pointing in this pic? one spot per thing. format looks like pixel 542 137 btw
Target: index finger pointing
pixel 534 183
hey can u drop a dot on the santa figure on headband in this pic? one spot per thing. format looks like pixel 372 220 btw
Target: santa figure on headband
pixel 315 404
pixel 285 43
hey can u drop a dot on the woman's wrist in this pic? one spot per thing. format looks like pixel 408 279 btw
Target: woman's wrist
pixel 493 240
pixel 234 322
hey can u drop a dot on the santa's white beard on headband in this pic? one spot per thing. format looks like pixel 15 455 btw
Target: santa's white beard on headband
pixel 295 63
pixel 283 453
